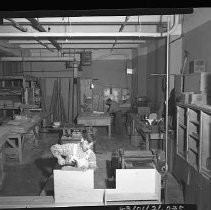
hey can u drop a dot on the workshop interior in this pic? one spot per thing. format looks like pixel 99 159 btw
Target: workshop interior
pixel 102 108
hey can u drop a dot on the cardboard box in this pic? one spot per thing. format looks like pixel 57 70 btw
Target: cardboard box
pixel 183 98
pixel 198 83
pixel 200 99
pixel 197 65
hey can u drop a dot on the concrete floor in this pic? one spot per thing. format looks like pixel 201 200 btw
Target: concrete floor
pixel 28 179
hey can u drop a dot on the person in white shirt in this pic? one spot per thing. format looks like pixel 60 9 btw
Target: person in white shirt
pixel 79 155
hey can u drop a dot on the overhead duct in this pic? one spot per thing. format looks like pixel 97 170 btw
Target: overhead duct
pixel 36 25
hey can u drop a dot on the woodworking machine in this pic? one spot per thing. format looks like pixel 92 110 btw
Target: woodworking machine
pixel 138 159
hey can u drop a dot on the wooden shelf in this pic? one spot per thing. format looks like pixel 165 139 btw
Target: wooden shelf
pixel 194 151
pixel 195 122
pixel 6 108
pixel 183 126
pixel 194 135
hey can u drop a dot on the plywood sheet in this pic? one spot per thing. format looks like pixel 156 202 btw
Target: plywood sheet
pixel 135 185
pixel 73 179
pixel 76 187
pixel 116 195
pixel 137 180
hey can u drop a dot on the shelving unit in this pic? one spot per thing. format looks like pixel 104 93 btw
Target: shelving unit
pixel 15 90
pixel 193 136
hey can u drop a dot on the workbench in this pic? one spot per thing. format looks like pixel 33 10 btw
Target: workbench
pixel 19 128
pixel 94 119
pixel 147 133
pixel 3 135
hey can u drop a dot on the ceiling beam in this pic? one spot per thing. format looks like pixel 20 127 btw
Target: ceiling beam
pixel 60 23
pixel 47 35
pixel 36 25
pixel 9 49
pixel 32 42
pixel 84 46
pixel 67 58
pixel 17 25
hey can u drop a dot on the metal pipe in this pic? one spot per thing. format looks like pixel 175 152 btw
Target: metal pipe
pixel 167 97
pixel 45 45
pixel 50 58
pixel 63 42
pixel 61 35
pixel 17 25
pixel 36 25
pixel 120 30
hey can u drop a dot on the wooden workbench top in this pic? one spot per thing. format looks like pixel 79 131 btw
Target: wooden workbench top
pixel 91 114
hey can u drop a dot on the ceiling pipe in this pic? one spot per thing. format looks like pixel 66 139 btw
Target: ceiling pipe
pixel 36 25
pixel 45 45
pixel 121 29
pixel 50 58
pixel 21 28
pixel 16 25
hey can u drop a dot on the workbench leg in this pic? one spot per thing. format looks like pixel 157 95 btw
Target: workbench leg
pixel 147 142
pixel 20 154
pixel 109 131
pixel 36 135
pixel 2 160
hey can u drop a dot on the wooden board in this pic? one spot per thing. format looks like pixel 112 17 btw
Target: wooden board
pixel 135 185
pixel 76 187
pixel 137 180
pixel 94 119
pixel 116 195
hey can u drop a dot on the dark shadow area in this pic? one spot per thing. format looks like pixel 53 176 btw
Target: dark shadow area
pixel 46 166
pixel 110 181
